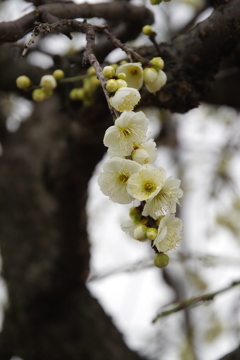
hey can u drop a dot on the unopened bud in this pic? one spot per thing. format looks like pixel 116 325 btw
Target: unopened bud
pixel 121 76
pixel 161 260
pixel 156 2
pixel 77 94
pixel 115 66
pixel 48 82
pixel 91 71
pixel 135 213
pixel 140 233
pixel 157 63
pixel 147 30
pixel 47 93
pixel 58 74
pixel 23 82
pixel 112 85
pixel 152 233
pixel 121 83
pixel 94 80
pixel 38 95
pixel 123 62
pixel 108 72
pixel 149 75
pixel 140 156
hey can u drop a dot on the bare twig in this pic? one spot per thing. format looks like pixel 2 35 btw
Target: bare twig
pixel 194 301
pixel 129 51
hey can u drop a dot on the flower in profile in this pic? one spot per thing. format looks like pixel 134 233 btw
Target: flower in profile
pixel 125 99
pixel 169 233
pixel 165 200
pixel 152 83
pixel 145 153
pixel 135 229
pixel 146 182
pixel 113 181
pixel 134 74
pixel 130 128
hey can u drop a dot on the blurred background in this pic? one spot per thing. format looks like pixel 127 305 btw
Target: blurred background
pixel 200 147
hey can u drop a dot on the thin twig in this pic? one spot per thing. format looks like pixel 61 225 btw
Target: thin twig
pixel 192 302
pixel 152 37
pixel 129 51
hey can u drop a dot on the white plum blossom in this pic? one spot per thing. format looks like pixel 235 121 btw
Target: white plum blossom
pixel 130 128
pixel 158 83
pixel 146 182
pixel 169 233
pixel 113 181
pixel 165 200
pixel 125 98
pixel 134 74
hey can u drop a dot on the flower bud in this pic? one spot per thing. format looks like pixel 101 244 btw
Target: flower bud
pixel 115 66
pixel 156 2
pixel 140 233
pixel 23 82
pixel 77 94
pixel 122 76
pixel 121 83
pixel 47 93
pixel 152 233
pixel 149 75
pixel 112 85
pixel 135 213
pixel 108 72
pixel 91 71
pixel 58 74
pixel 140 156
pixel 147 30
pixel 94 80
pixel 123 62
pixel 38 95
pixel 143 220
pixel 88 85
pixel 161 260
pixel 157 63
pixel 48 82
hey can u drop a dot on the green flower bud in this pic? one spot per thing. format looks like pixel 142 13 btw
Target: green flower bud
pixel 94 80
pixel 156 2
pixel 157 63
pixel 91 71
pixel 38 95
pixel 147 30
pixel 121 83
pixel 135 213
pixel 143 220
pixel 123 62
pixel 149 75
pixel 112 85
pixel 77 94
pixel 88 85
pixel 121 76
pixel 108 72
pixel 140 233
pixel 152 233
pixel 161 260
pixel 23 82
pixel 47 93
pixel 115 66
pixel 48 82
pixel 58 74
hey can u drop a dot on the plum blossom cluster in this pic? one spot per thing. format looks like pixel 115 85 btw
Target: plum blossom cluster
pixel 130 173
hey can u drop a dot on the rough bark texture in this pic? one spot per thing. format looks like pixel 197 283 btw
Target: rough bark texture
pixel 46 167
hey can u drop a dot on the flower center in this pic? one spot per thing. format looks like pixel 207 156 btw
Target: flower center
pixel 134 71
pixel 127 132
pixel 123 178
pixel 150 187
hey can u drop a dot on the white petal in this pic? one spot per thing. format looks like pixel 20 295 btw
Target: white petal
pixel 134 74
pixel 125 98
